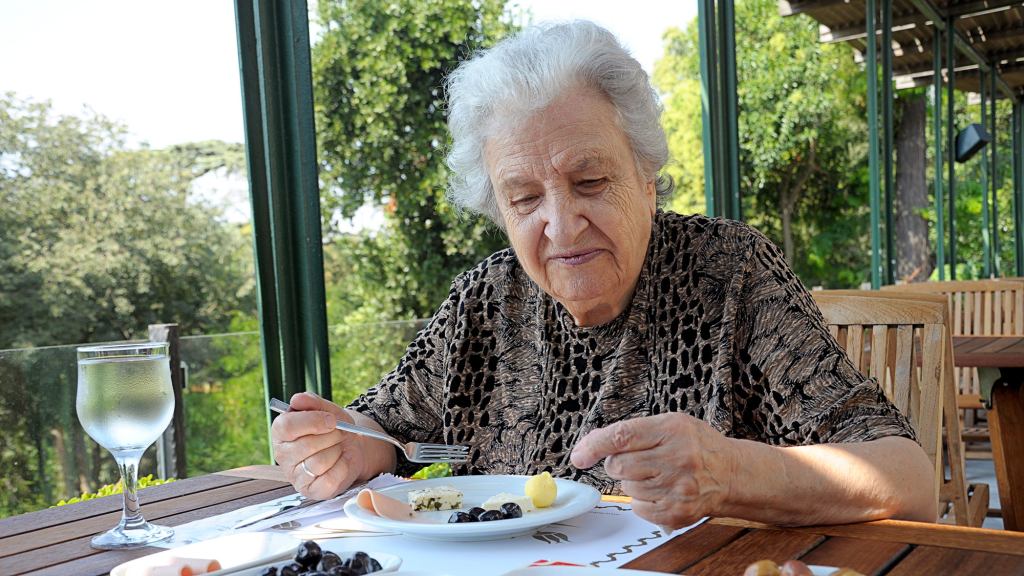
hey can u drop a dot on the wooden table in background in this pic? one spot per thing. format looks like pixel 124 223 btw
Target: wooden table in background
pixel 1006 418
pixel 56 540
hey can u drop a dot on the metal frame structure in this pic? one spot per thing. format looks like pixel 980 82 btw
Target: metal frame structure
pixel 280 138
pixel 722 194
pixel 990 37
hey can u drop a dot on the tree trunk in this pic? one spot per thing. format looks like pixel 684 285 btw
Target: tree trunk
pixel 67 463
pixel 787 203
pixel 80 462
pixel 914 257
pixel 789 195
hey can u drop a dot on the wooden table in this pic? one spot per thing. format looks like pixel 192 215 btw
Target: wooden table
pixel 56 540
pixel 1006 417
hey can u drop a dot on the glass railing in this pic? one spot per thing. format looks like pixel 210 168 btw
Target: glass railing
pixel 46 456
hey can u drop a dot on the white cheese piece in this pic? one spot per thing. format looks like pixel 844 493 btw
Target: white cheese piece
pixel 495 502
pixel 437 498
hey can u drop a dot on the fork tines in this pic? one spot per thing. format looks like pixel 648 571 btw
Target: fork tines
pixel 442 452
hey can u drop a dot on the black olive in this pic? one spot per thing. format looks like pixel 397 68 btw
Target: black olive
pixel 374 565
pixel 362 556
pixel 511 510
pixel 459 517
pixel 341 571
pixel 491 515
pixel 293 569
pixel 329 560
pixel 270 571
pixel 315 573
pixel 357 564
pixel 476 511
pixel 309 554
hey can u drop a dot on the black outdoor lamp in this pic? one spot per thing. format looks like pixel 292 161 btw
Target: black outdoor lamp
pixel 970 140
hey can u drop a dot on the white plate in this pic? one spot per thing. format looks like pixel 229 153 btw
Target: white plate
pixel 231 551
pixel 573 499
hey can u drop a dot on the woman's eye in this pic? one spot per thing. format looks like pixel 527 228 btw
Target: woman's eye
pixel 524 202
pixel 593 185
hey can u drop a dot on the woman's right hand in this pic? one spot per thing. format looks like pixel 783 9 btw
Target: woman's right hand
pixel 333 460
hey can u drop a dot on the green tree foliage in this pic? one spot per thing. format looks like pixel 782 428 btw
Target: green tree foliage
pixel 801 127
pixel 99 240
pixel 378 73
pixel 225 407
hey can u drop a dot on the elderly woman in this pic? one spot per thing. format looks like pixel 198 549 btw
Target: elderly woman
pixel 680 350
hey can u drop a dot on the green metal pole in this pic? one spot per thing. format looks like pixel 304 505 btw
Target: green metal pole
pixel 1019 186
pixel 951 141
pixel 708 100
pixel 986 246
pixel 871 67
pixel 995 174
pixel 727 56
pixel 887 147
pixel 940 229
pixel 277 96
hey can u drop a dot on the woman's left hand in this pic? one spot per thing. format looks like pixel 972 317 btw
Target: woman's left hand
pixel 677 469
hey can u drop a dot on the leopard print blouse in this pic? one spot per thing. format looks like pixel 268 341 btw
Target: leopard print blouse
pixel 719 328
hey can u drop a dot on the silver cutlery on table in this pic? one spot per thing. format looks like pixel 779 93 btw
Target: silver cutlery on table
pixel 275 509
pixel 419 452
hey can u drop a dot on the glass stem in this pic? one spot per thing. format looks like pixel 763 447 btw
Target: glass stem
pixel 131 516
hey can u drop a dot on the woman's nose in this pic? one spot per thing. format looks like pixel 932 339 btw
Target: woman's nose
pixel 564 219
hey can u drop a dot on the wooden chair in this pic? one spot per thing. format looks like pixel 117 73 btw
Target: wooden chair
pixel 903 342
pixel 977 307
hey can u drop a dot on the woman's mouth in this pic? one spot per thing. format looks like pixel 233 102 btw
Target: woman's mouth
pixel 577 258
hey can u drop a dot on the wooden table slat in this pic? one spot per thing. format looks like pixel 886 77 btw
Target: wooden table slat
pixel 153 511
pixel 700 542
pixel 90 561
pixel 53 516
pixel 933 560
pixel 865 556
pixel 941 535
pixel 766 544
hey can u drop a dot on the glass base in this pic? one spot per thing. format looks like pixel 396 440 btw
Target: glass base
pixel 138 535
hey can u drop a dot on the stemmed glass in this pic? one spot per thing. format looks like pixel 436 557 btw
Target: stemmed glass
pixel 125 401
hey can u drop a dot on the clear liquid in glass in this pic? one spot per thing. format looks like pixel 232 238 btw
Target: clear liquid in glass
pixel 125 404
pixel 125 400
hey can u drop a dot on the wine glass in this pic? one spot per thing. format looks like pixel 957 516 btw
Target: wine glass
pixel 125 401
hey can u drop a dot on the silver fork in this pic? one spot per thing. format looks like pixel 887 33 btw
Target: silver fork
pixel 419 452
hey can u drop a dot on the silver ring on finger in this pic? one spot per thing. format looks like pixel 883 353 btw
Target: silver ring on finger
pixel 306 470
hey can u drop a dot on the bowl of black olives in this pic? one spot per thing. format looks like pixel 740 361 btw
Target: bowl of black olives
pixel 312 559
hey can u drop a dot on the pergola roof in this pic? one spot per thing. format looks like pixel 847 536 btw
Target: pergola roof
pixel 989 33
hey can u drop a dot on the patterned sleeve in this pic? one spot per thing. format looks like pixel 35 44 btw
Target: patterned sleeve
pixel 407 401
pixel 793 384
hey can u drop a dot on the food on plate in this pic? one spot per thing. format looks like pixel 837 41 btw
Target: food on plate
pixel 443 497
pixel 174 566
pixel 311 559
pixel 541 489
pixel 495 502
pixel 507 511
pixel 790 568
pixel 383 505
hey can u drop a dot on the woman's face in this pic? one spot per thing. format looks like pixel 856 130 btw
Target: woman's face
pixel 576 209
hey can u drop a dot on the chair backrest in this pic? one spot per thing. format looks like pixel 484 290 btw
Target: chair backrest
pixel 978 307
pixel 902 340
